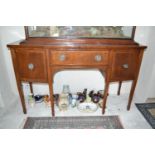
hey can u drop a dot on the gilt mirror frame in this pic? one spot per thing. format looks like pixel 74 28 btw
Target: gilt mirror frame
pixel 76 37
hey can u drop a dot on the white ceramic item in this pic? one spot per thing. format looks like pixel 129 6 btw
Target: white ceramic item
pixel 87 107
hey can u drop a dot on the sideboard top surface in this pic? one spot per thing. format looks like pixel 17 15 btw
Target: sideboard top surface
pixel 61 44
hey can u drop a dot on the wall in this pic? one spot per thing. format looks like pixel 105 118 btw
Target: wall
pixel 10 34
pixel 6 95
pixel 151 68
pixel 8 89
pixel 78 79
pixel 151 93
pixel 145 86
pixel 1 101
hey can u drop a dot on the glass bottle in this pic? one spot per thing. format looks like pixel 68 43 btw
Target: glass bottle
pixel 31 100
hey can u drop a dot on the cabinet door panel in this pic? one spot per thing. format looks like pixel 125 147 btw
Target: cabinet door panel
pixel 124 65
pixel 31 64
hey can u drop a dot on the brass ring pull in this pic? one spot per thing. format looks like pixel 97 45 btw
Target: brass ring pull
pixel 62 57
pixel 98 58
pixel 30 66
pixel 125 66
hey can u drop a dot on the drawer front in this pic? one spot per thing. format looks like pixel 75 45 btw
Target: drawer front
pixel 124 66
pixel 79 57
pixel 31 64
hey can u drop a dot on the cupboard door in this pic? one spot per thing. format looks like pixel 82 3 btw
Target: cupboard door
pixel 124 66
pixel 31 64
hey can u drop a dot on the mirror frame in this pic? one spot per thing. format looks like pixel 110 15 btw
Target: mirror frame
pixel 55 38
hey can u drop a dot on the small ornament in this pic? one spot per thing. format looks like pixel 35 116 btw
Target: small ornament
pixel 31 100
pixel 82 96
pixel 95 97
pixel 47 100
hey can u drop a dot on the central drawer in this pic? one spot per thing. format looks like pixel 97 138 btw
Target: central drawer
pixel 79 57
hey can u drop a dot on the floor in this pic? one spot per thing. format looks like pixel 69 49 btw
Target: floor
pixel 150 100
pixel 116 105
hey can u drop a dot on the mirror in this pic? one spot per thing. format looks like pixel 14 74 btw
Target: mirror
pixel 120 32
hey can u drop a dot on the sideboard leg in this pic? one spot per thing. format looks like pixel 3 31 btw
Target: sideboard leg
pixel 131 94
pixel 119 87
pixel 50 82
pixel 19 82
pixel 31 87
pixel 105 97
pixel 21 94
pixel 135 81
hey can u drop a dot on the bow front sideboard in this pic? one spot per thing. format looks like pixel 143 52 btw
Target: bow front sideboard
pixel 37 60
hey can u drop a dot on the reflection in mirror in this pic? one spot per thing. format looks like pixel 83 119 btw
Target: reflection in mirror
pixel 81 31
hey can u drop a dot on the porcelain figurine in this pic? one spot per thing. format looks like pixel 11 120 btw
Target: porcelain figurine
pixel 47 100
pixel 96 96
pixel 82 96
pixel 74 98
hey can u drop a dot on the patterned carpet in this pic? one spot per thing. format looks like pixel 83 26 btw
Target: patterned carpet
pixel 87 122
pixel 148 111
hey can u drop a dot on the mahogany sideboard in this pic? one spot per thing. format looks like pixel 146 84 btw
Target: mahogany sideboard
pixel 37 60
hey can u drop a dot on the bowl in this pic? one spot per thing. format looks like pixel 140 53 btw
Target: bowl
pixel 88 107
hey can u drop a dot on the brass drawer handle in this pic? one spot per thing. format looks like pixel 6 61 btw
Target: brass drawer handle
pixel 98 58
pixel 62 57
pixel 125 66
pixel 30 66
